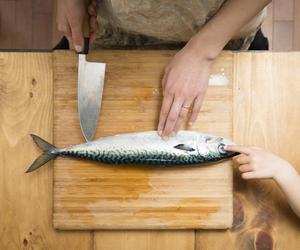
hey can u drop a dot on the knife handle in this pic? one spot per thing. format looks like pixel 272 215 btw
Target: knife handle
pixel 86 33
pixel 86 46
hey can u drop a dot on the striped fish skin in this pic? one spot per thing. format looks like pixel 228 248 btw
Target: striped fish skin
pixel 186 148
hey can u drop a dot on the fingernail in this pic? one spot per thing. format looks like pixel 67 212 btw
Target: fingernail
pixel 165 138
pixel 173 134
pixel 78 48
pixel 159 132
pixel 225 147
pixel 191 123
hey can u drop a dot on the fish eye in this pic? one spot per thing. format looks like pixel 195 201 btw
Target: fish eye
pixel 221 148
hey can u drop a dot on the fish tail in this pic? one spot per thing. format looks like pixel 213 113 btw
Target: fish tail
pixel 46 156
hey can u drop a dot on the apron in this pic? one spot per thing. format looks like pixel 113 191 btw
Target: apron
pixel 162 24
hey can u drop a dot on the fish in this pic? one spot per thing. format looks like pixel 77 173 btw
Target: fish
pixel 145 148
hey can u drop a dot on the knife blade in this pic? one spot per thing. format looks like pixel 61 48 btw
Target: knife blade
pixel 90 89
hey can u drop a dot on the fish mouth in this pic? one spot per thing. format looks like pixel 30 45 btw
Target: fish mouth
pixel 221 149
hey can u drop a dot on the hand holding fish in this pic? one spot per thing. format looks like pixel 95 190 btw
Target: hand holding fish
pixel 184 84
pixel 70 18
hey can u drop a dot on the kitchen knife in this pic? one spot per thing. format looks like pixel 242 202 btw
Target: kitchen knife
pixel 90 89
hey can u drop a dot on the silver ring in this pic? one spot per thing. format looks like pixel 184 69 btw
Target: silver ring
pixel 185 107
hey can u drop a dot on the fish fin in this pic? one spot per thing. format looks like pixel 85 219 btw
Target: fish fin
pixel 44 157
pixel 45 146
pixel 184 147
pixel 40 161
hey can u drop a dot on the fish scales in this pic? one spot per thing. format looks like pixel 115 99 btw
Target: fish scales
pixel 147 148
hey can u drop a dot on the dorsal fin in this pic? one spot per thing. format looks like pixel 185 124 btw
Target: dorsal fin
pixel 184 147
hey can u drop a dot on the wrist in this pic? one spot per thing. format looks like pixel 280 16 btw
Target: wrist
pixel 285 174
pixel 207 43
pixel 202 48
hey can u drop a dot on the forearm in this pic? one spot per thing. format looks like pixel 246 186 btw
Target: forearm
pixel 231 17
pixel 289 182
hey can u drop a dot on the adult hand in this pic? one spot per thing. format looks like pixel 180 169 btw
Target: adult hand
pixel 70 19
pixel 184 84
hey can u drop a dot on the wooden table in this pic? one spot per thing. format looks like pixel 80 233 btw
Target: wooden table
pixel 266 113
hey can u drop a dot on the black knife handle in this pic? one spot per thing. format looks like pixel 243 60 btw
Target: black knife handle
pixel 86 46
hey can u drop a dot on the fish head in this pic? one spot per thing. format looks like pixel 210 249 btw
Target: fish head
pixel 215 147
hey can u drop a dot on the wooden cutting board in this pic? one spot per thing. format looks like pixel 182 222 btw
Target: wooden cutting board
pixel 89 195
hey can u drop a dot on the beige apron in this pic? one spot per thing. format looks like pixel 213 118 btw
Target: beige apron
pixel 162 24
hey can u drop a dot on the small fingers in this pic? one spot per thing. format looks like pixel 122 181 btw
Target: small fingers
pixel 249 175
pixel 243 159
pixel 238 149
pixel 245 168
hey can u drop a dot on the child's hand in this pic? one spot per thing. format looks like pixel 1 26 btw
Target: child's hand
pixel 258 163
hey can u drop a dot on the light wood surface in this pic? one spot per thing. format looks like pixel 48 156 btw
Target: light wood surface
pixel 26 200
pixel 145 240
pixel 89 195
pixel 266 114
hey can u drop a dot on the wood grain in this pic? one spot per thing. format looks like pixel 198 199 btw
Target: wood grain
pixel 26 24
pixel 98 196
pixel 296 28
pixel 145 240
pixel 23 24
pixel 283 36
pixel 283 10
pixel 7 20
pixel 26 103
pixel 266 114
pixel 42 24
pixel 42 6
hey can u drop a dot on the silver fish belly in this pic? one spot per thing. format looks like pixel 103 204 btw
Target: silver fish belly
pixel 187 147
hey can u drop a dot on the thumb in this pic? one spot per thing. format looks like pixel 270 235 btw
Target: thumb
pixel 77 36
